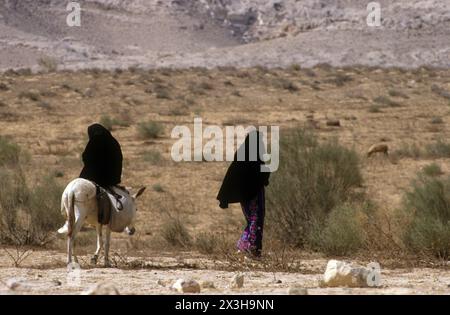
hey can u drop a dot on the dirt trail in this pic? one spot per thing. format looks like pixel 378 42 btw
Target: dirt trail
pixel 34 279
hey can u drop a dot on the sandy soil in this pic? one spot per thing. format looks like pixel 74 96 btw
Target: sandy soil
pixel 160 273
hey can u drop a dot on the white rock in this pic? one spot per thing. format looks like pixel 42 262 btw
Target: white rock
pixel 15 284
pixel 102 289
pixel 294 290
pixel 237 282
pixel 342 274
pixel 186 286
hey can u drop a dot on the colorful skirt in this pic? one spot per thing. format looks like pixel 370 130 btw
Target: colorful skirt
pixel 251 239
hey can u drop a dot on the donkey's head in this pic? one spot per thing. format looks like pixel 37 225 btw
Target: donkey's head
pixel 130 229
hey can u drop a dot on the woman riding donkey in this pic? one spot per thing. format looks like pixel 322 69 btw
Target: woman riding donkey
pixel 102 160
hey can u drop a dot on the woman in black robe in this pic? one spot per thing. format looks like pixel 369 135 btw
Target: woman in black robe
pixel 102 157
pixel 244 183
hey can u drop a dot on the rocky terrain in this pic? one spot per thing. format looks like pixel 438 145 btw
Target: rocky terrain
pixel 210 33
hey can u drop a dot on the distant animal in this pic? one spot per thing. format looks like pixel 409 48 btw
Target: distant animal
pixel 378 148
pixel 79 205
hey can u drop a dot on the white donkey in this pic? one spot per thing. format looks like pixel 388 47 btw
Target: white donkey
pixel 79 205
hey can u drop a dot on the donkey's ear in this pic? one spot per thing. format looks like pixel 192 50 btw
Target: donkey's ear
pixel 140 191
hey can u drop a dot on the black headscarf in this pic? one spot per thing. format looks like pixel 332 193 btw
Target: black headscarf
pixel 244 178
pixel 102 157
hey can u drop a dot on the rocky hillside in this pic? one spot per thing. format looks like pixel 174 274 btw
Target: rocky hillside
pixel 185 33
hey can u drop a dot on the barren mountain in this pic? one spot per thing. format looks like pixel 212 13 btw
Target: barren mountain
pixel 185 33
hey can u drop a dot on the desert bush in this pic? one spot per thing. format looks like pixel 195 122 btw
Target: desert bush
pixel 437 120
pixel 107 122
pixel 397 93
pixel 31 95
pixel 375 109
pixel 428 206
pixel 440 91
pixel 206 242
pixel 286 84
pixel 342 233
pixel 158 188
pixel 438 149
pixel 47 63
pixel 340 79
pixel 175 233
pixel 110 122
pixel 152 156
pixel 313 178
pixel 9 152
pixel 386 101
pixel 3 87
pixel 432 169
pixel 409 151
pixel 150 130
pixel 28 216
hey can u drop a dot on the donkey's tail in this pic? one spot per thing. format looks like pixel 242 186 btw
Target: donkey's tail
pixel 68 203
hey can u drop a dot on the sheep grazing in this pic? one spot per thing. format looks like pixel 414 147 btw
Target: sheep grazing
pixel 378 148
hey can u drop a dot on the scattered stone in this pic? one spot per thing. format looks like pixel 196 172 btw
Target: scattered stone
pixel 342 274
pixel 378 148
pixel 297 291
pixel 333 123
pixel 161 283
pixel 186 286
pixel 279 281
pixel 207 285
pixel 57 282
pixel 102 289
pixel 237 282
pixel 13 284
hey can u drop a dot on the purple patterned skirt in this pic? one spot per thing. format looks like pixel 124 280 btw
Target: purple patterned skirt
pixel 251 239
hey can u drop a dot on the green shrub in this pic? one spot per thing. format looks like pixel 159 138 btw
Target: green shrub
pixel 409 151
pixel 438 149
pixel 206 242
pixel 437 120
pixel 375 109
pixel 175 233
pixel 31 95
pixel 150 130
pixel 397 93
pixel 432 169
pixel 312 179
pixel 342 233
pixel 428 206
pixel 384 100
pixel 158 188
pixel 107 122
pixel 49 64
pixel 28 216
pixel 9 152
pixel 153 157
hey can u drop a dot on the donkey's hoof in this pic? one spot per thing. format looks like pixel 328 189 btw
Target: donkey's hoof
pixel 94 260
pixel 107 264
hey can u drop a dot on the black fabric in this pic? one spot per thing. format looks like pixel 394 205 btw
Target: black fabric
pixel 104 206
pixel 244 179
pixel 102 157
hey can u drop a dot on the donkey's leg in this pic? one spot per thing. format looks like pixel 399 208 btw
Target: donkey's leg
pixel 79 221
pixel 69 249
pixel 107 244
pixel 99 229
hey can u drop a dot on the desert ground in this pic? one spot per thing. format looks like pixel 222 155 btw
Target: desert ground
pixel 160 64
pixel 47 115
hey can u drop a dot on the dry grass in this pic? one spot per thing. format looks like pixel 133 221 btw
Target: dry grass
pixel 193 186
